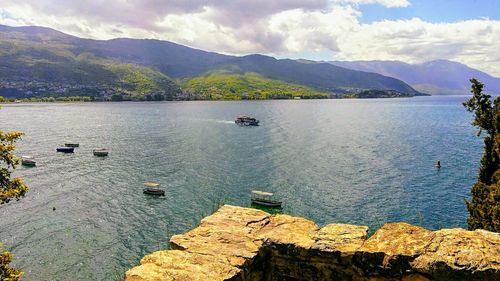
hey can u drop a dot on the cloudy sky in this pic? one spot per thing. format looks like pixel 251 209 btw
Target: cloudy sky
pixel 466 31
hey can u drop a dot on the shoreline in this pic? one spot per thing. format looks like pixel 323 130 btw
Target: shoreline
pixel 202 100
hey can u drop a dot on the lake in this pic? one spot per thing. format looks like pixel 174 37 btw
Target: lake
pixel 350 161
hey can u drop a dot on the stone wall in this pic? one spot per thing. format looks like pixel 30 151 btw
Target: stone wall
pixel 247 244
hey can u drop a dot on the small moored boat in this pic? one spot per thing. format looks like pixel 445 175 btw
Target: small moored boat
pixel 246 121
pixel 65 149
pixel 151 188
pixel 265 199
pixel 28 161
pixel 100 152
pixel 72 144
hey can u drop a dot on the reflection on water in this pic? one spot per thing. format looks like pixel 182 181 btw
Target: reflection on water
pixel 350 161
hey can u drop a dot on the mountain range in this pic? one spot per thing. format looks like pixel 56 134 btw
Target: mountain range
pixel 39 61
pixel 438 77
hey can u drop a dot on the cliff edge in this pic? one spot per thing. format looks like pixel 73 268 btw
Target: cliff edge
pixel 246 244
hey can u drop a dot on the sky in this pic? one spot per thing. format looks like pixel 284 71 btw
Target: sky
pixel 413 31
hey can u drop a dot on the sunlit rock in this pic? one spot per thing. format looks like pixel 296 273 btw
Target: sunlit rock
pixel 248 245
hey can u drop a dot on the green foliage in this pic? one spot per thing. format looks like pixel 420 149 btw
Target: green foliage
pixel 53 99
pixel 116 97
pixel 371 94
pixel 225 85
pixel 9 188
pixel 484 113
pixel 480 105
pixel 7 272
pixel 484 207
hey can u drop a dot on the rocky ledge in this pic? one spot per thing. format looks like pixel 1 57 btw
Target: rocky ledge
pixel 247 244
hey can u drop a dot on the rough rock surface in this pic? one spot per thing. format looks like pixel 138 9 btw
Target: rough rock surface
pixel 181 265
pixel 458 252
pixel 345 238
pixel 230 234
pixel 246 244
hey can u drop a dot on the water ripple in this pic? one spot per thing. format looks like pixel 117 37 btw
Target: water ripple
pixel 353 161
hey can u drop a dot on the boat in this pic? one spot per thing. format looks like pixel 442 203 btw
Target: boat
pixel 28 161
pixel 72 145
pixel 101 152
pixel 246 121
pixel 65 149
pixel 265 199
pixel 151 188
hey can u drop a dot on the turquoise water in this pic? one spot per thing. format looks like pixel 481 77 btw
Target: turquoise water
pixel 351 161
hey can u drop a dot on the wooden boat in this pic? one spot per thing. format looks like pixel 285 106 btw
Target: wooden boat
pixel 246 121
pixel 264 199
pixel 72 144
pixel 100 152
pixel 65 149
pixel 28 161
pixel 151 188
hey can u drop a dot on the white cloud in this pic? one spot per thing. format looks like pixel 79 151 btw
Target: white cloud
pixel 284 28
pixel 315 30
pixel 199 30
pixel 473 42
pixel 386 3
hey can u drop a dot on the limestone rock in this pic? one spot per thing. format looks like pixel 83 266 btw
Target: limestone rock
pixel 242 244
pixel 228 234
pixel 399 239
pixel 391 248
pixel 180 265
pixel 340 237
pixel 288 230
pixel 460 254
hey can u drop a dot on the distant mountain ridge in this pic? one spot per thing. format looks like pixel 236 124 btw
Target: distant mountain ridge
pixel 434 77
pixel 145 66
pixel 321 76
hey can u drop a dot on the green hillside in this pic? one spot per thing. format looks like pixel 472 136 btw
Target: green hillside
pixel 43 64
pixel 141 81
pixel 320 76
pixel 226 85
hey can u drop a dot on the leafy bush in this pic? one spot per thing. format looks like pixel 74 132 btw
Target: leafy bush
pixel 9 188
